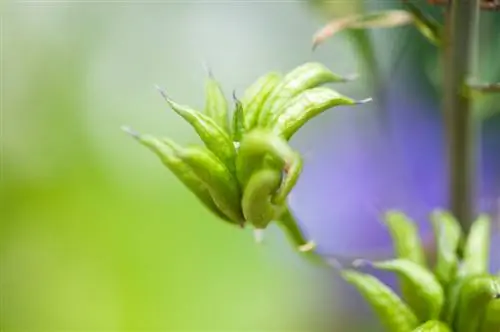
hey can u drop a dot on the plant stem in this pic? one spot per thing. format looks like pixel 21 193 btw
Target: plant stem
pixel 459 119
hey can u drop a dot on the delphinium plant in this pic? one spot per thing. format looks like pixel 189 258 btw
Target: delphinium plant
pixel 457 292
pixel 453 293
pixel 246 168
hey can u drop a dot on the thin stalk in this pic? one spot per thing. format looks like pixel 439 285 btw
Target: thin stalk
pixel 460 23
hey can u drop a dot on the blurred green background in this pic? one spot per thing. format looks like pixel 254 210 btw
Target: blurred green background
pixel 95 233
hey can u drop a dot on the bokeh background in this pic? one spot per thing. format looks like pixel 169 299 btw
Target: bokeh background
pixel 97 235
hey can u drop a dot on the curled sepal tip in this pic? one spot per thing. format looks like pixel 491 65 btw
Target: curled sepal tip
pixel 260 149
pixel 257 206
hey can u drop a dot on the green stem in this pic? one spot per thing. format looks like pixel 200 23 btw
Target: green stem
pixel 459 119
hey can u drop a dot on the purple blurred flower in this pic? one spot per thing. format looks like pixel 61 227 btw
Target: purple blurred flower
pixel 363 172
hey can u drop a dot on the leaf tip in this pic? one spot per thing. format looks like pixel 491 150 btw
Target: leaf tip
pixel 235 98
pixel 162 92
pixel 314 45
pixel 207 68
pixel 132 132
pixel 363 101
pixel 351 77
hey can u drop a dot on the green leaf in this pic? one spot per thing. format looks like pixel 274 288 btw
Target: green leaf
pixel 476 250
pixel 406 240
pixel 448 234
pixel 394 314
pixel 423 292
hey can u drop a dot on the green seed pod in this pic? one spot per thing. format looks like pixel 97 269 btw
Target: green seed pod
pixel 305 106
pixel 261 148
pixel 476 294
pixel 448 235
pixel 256 203
pixel 476 249
pixel 424 293
pixel 238 128
pixel 433 326
pixel 256 95
pixel 407 243
pixel 303 77
pixel 222 185
pixel 491 318
pixel 394 314
pixel 216 106
pixel 183 172
pixel 215 138
pixel 288 223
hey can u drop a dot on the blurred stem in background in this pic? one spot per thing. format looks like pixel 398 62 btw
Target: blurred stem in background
pixel 460 31
pixel 458 47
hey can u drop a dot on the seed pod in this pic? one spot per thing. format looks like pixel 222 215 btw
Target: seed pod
pixel 216 106
pixel 256 203
pixel 183 172
pixel 238 128
pixel 394 314
pixel 433 326
pixel 256 95
pixel 221 184
pixel 215 138
pixel 447 236
pixel 491 318
pixel 288 223
pixel 424 293
pixel 407 243
pixel 477 292
pixel 303 77
pixel 305 106
pixel 260 148
pixel 476 249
